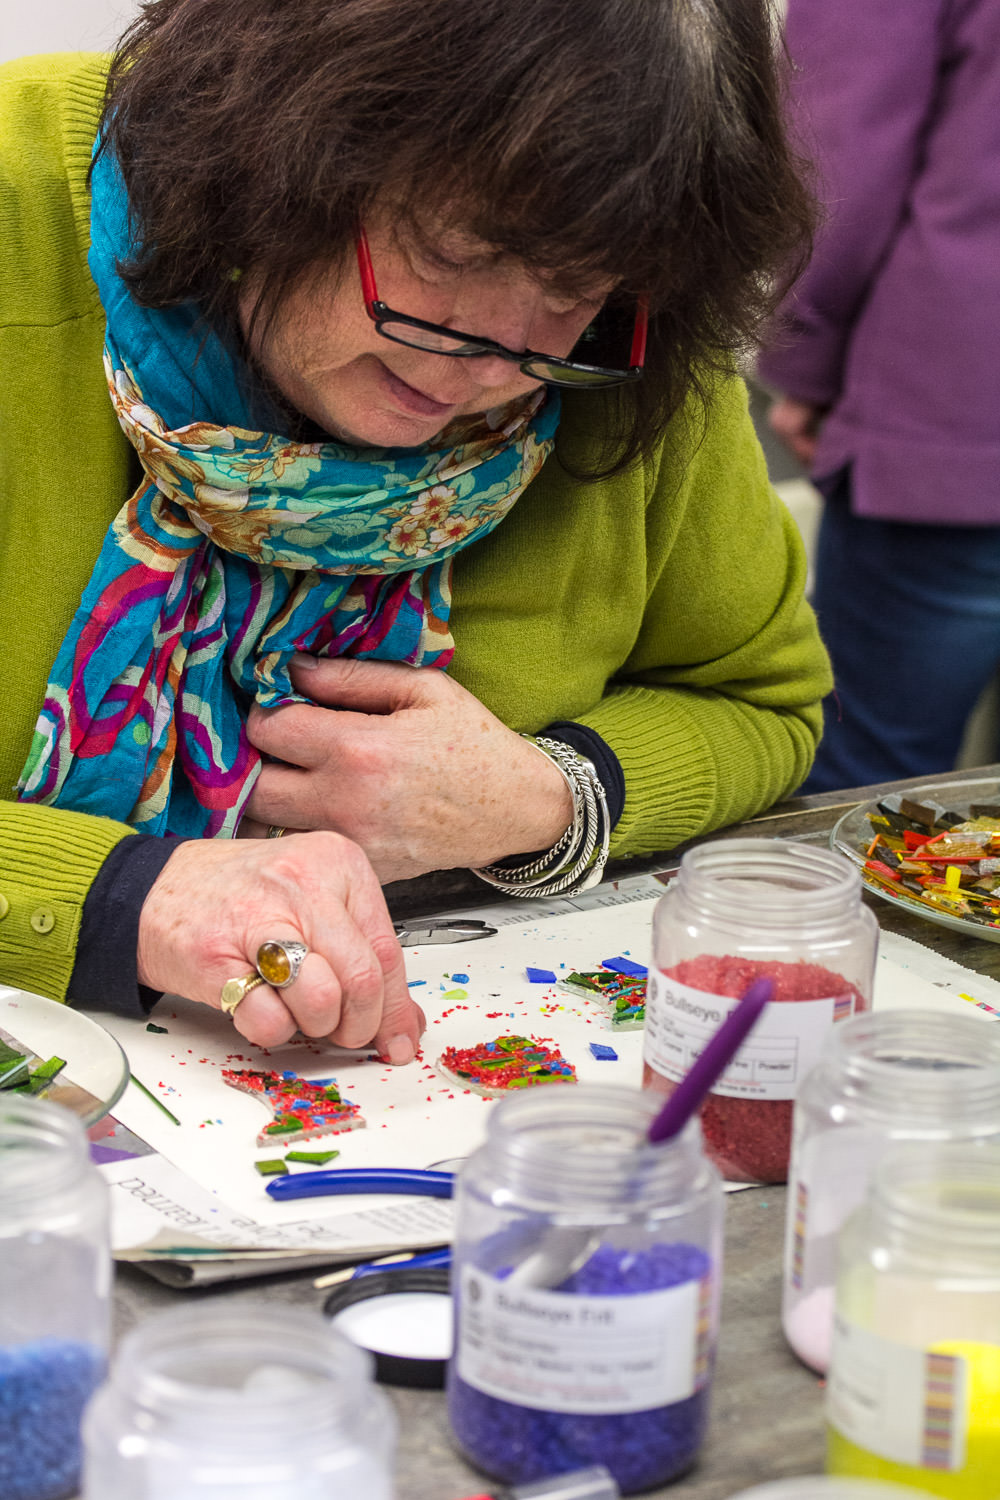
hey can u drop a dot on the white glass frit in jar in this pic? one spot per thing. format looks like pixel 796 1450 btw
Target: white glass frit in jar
pixel 586 1276
pixel 913 1392
pixel 894 1075
pixel 55 1279
pixel 739 910
pixel 238 1401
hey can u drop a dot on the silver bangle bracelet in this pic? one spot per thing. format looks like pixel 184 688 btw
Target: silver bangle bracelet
pixel 576 860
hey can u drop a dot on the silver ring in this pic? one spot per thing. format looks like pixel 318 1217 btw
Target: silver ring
pixel 279 961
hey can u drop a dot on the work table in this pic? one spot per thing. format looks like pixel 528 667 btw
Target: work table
pixel 767 1413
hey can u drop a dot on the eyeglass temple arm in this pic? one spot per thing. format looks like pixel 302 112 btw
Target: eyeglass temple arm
pixel 637 357
pixel 369 291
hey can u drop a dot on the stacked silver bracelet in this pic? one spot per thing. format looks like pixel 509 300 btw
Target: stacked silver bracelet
pixel 576 860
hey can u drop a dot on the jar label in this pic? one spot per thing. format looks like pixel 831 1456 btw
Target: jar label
pixel 907 1405
pixel 828 1180
pixel 556 1351
pixel 784 1044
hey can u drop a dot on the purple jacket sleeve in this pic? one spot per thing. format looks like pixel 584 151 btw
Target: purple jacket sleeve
pixel 865 78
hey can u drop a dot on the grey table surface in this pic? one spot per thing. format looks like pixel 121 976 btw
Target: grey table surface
pixel 767 1409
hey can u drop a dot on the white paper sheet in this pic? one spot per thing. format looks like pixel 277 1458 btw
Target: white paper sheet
pixel 414 1117
pixel 910 974
pixel 156 1207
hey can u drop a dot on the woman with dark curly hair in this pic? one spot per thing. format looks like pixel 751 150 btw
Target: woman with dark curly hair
pixel 420 322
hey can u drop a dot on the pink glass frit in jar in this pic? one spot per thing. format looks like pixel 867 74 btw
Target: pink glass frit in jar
pixel 739 909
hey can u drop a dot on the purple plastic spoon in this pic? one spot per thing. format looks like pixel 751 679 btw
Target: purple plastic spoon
pixel 712 1063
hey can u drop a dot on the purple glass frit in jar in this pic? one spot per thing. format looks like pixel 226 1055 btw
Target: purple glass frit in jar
pixel 586 1277
pixel 55 1293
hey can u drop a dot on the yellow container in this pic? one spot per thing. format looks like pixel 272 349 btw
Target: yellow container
pixel 914 1389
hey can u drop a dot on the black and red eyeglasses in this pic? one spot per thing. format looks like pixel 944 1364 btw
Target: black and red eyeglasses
pixel 614 329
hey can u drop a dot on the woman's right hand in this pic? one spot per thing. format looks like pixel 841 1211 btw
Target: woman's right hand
pixel 217 900
pixel 797 424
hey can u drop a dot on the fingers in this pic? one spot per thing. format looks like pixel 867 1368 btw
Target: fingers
pixel 283 795
pixel 796 424
pixel 345 1004
pixel 264 1018
pixel 402 1022
pixel 339 987
pixel 369 687
pixel 351 985
pixel 216 902
pixel 298 733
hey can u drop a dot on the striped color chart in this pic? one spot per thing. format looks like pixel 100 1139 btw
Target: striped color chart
pixel 941 1391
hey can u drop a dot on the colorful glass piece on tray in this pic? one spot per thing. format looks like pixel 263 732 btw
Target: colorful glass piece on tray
pixel 934 857
pixel 24 1072
pixel 272 1166
pixel 625 966
pixel 302 1109
pixel 13 1066
pixel 21 1072
pixel 42 1076
pixel 509 1062
pixel 621 996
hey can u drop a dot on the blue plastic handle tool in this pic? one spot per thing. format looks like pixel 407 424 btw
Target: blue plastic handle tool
pixel 413 1263
pixel 362 1180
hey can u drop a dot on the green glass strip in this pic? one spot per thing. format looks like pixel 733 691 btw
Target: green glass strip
pixel 158 1102
pixel 43 1075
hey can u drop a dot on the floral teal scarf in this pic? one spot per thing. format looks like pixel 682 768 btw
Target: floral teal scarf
pixel 239 549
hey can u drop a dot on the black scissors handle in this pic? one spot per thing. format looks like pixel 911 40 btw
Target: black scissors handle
pixel 441 930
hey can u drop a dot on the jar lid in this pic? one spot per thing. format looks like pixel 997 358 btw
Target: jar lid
pixel 403 1318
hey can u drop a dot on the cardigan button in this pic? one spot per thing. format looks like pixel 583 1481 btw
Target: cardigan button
pixel 42 919
pixel 4 906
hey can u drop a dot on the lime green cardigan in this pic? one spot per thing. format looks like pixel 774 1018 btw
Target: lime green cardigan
pixel 663 608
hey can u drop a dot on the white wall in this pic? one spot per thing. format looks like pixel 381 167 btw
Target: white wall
pixel 28 26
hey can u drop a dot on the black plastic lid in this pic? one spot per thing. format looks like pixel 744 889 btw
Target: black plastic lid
pixel 413 1293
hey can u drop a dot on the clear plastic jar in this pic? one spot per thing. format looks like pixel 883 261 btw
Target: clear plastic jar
pixel 740 909
pixel 238 1401
pixel 914 1385
pixel 586 1276
pixel 891 1076
pixel 55 1280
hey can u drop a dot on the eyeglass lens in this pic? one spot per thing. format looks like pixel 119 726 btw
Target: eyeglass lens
pixel 586 350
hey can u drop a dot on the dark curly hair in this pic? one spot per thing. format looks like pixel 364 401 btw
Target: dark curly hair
pixel 635 140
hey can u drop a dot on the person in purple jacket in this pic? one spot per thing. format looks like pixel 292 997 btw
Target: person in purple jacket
pixel 887 358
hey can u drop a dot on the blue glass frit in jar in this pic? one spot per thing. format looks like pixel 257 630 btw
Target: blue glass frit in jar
pixel 55 1286
pixel 586 1277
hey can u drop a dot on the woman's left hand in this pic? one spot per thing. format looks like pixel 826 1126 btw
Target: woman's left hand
pixel 410 766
